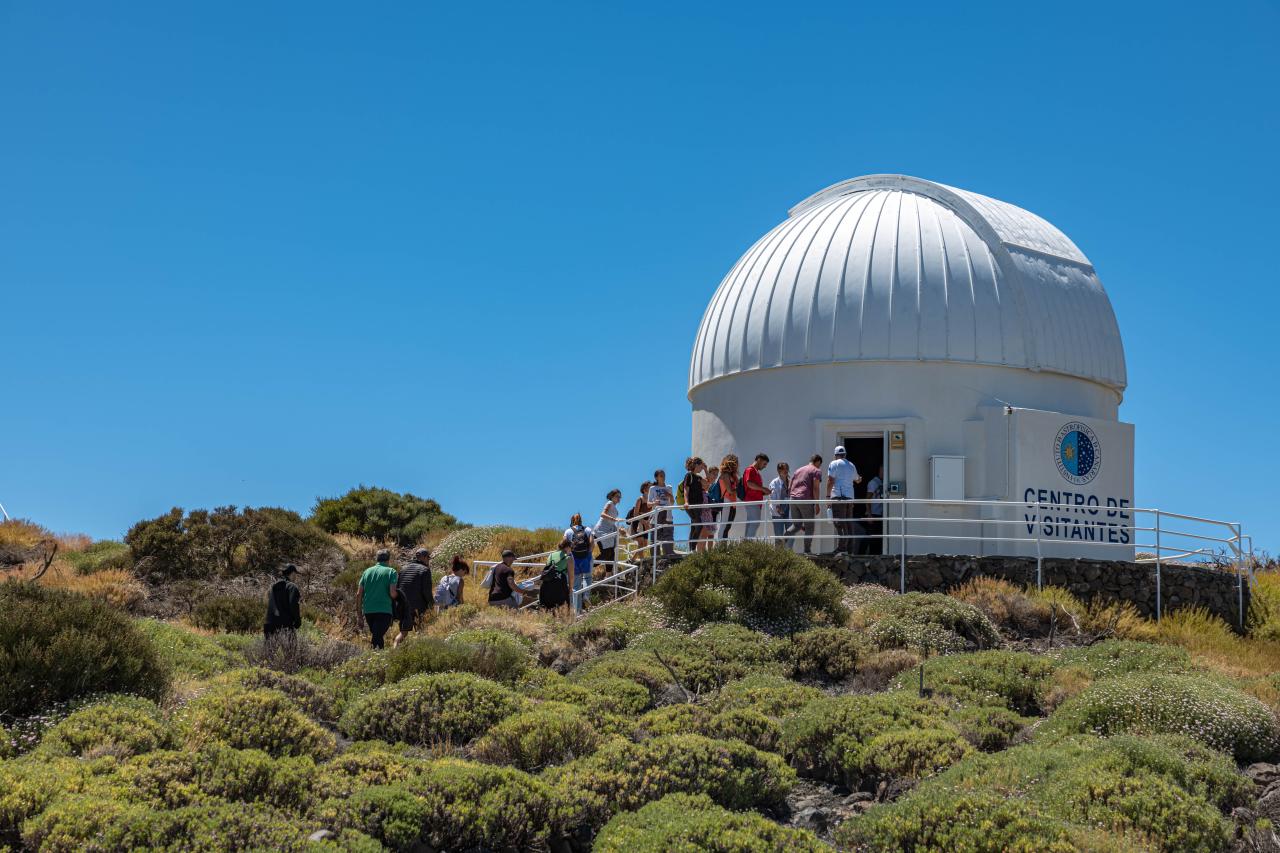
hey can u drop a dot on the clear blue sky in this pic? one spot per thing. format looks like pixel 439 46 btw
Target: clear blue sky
pixel 256 253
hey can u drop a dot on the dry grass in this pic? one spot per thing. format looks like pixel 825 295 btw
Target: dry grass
pixel 114 586
pixel 1214 645
pixel 20 533
pixel 1005 604
pixel 1120 619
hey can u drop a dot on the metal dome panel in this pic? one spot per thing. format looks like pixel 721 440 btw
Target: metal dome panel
pixel 889 267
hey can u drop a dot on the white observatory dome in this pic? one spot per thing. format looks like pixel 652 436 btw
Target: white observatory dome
pixel 899 269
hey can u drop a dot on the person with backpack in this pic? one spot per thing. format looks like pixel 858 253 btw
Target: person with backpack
pixel 694 494
pixel 713 497
pixel 553 591
pixel 414 585
pixel 637 524
pixel 284 604
pixel 606 532
pixel 660 497
pixel 502 583
pixel 375 596
pixel 729 484
pixel 779 491
pixel 580 543
pixel 449 590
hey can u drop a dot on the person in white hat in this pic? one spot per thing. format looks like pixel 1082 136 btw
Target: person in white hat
pixel 841 477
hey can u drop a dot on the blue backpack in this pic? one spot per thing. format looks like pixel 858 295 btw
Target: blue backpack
pixel 713 494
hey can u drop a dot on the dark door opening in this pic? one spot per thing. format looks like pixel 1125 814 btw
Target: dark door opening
pixel 866 452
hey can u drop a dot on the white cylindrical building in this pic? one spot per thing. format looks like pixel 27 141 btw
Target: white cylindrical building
pixel 962 343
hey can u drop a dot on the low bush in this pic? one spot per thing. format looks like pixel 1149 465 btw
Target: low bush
pixel 702 662
pixel 840 738
pixel 623 776
pixel 1007 605
pixel 314 700
pixel 495 637
pixel 59 646
pixel 253 719
pixel 927 620
pixel 641 668
pixel 767 588
pixel 79 822
pixel 229 613
pixel 173 779
pixel 1122 657
pixel 613 628
pixel 551 733
pixel 501 660
pixel 980 822
pixel 745 724
pixel 614 696
pixel 860 595
pixel 115 725
pixel 1212 643
pixel 8 745
pixel 389 814
pixel 987 728
pixel 363 764
pixel 824 654
pixel 771 695
pixel 29 784
pixel 447 708
pixel 674 720
pixel 1014 680
pixel 1166 792
pixel 99 556
pixel 694 822
pixel 186 653
pixel 1208 710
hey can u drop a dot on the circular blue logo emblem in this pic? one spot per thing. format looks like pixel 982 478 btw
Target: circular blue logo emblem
pixel 1078 453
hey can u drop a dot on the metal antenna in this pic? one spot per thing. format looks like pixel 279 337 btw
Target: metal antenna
pixel 4 512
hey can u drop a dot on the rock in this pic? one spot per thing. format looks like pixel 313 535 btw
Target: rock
pixel 813 819
pixel 857 797
pixel 320 835
pixel 1262 774
pixel 1269 804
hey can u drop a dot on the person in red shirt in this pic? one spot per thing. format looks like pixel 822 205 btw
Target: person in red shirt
pixel 753 493
pixel 804 487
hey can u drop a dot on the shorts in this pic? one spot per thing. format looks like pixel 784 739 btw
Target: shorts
pixel 408 619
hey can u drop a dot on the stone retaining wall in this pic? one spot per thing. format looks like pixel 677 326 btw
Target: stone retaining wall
pixel 1180 586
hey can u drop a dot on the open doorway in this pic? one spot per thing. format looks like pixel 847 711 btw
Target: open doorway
pixel 867 453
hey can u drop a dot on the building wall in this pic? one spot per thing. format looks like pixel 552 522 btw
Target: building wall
pixel 943 409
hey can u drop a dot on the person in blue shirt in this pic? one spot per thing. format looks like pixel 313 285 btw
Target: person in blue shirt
pixel 841 477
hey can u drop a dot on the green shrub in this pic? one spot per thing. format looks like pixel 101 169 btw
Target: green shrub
pixel 8 745
pixel 694 822
pixel 606 695
pixel 230 613
pixel 466 542
pixel 224 542
pixel 707 659
pixel 1015 680
pixel 926 619
pixel 29 784
pixel 388 813
pixel 613 628
pixel 603 674
pixel 78 822
pixel 186 653
pixel 824 654
pixel 551 733
pixel 623 776
pixel 99 556
pixel 1205 709
pixel 502 661
pixel 771 695
pixel 911 753
pixel 115 725
pixel 1122 657
pixel 314 700
pixel 988 728
pixel 381 514
pixel 479 806
pixel 177 779
pixel 450 708
pixel 495 637
pixel 835 738
pixel 975 822
pixel 254 719
pixel 1170 790
pixel 361 765
pixel 674 720
pixel 768 588
pixel 747 725
pixel 56 646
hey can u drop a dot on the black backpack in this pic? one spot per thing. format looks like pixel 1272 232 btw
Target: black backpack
pixel 553 591
pixel 581 542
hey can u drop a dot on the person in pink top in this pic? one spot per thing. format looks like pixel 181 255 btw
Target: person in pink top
pixel 804 487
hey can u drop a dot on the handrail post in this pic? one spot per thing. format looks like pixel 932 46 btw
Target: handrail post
pixel 1240 573
pixel 1159 561
pixel 766 517
pixel 1039 554
pixel 902 540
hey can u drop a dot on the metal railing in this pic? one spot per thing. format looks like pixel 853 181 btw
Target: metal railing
pixel 910 526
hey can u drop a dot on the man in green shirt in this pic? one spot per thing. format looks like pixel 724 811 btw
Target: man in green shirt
pixel 373 596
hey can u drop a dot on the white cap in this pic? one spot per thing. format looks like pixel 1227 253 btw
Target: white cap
pixel 840 451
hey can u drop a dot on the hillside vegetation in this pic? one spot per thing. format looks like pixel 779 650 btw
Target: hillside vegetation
pixel 749 702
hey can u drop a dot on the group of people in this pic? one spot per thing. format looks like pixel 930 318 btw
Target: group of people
pixel 709 495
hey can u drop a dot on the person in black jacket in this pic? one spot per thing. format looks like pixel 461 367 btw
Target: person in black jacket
pixel 415 588
pixel 284 604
